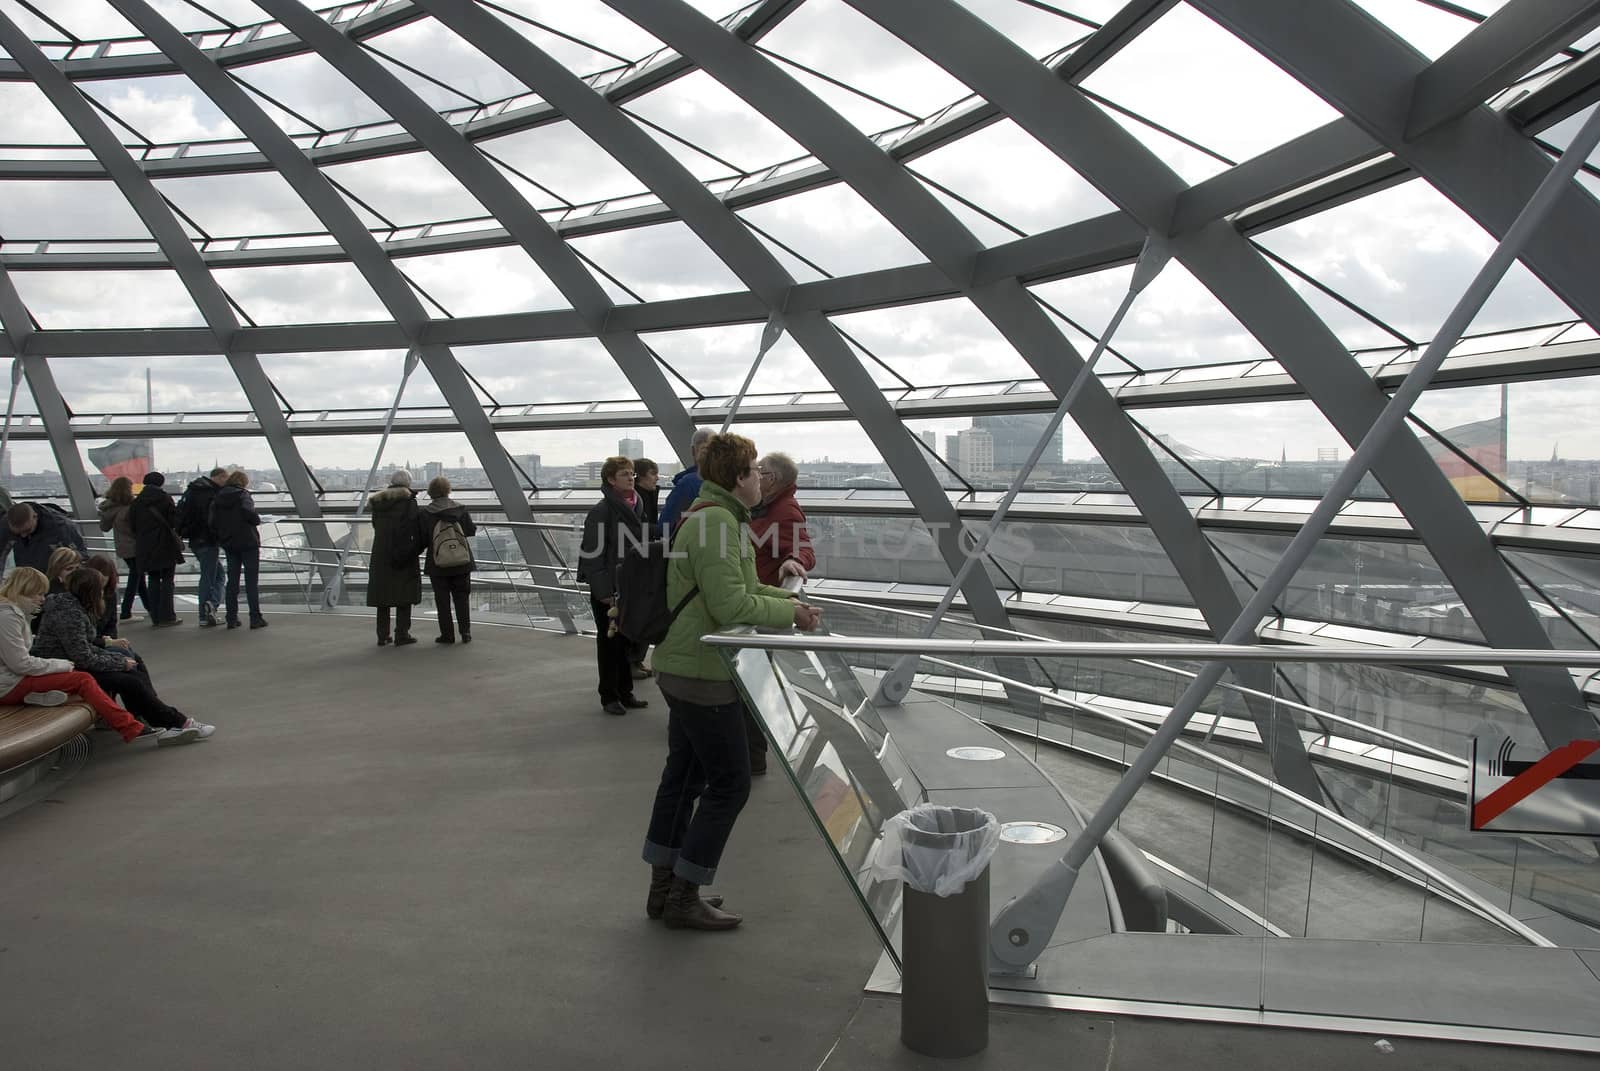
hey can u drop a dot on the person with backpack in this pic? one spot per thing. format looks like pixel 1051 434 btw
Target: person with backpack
pixel 706 780
pixel 156 546
pixel 444 527
pixel 235 525
pixel 611 525
pixel 194 525
pixel 394 580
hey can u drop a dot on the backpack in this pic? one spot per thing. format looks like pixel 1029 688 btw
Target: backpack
pixel 642 612
pixel 450 550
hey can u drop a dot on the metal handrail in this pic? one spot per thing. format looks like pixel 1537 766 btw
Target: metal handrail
pixel 1466 896
pixel 1239 689
pixel 1222 652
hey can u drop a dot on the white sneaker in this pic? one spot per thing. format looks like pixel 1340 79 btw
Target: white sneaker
pixel 51 698
pixel 172 737
pixel 200 728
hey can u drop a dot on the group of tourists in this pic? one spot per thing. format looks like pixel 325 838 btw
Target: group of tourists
pixel 735 533
pixel 437 531
pixel 217 519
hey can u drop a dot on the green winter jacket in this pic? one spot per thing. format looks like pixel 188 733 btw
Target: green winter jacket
pixel 712 550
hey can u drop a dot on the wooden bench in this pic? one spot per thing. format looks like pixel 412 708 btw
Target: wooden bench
pixel 28 733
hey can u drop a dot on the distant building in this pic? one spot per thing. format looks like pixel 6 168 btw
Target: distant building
pixel 530 465
pixel 930 439
pixel 975 452
pixel 951 448
pixel 1327 453
pixel 1015 435
pixel 432 470
pixel 630 448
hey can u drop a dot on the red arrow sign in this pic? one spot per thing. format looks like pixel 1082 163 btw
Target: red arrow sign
pixel 1531 780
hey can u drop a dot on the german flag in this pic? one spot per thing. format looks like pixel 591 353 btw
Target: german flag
pixel 1484 442
pixel 125 457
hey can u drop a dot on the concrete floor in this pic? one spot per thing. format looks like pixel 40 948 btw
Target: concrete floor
pixel 414 858
pixel 428 858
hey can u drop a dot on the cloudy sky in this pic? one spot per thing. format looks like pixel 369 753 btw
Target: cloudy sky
pixel 1405 254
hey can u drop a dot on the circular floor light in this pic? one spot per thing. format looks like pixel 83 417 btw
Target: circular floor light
pixel 1031 833
pixel 976 754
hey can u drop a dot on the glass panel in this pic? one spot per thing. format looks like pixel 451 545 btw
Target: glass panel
pixel 92 385
pixel 164 108
pixel 1425 237
pixel 40 210
pixel 938 342
pixel 563 159
pixel 409 188
pixel 483 282
pixel 704 113
pixel 1175 322
pixel 988 167
pixel 834 227
pixel 1254 108
pixel 82 299
pixel 659 263
pixel 302 293
pixel 240 205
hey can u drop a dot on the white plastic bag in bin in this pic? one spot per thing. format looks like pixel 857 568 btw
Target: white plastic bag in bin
pixel 936 849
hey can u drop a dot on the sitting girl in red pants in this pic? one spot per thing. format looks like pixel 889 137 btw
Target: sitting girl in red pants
pixel 45 682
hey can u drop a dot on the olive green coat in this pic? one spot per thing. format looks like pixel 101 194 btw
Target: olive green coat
pixel 712 550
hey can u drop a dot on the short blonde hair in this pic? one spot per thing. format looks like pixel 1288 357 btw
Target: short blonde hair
pixel 61 560
pixel 23 582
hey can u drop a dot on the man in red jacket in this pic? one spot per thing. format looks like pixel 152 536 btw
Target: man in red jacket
pixel 778 525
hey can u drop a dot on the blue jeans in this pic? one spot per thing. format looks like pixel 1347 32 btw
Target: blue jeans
pixel 210 590
pixel 703 788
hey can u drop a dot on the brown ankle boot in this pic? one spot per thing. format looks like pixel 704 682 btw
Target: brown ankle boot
pixel 686 911
pixel 660 882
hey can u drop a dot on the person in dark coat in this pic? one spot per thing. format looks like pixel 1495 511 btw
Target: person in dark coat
pixel 34 529
pixel 452 584
pixel 608 528
pixel 393 576
pixel 194 525
pixel 156 546
pixel 646 484
pixel 234 522
pixel 685 485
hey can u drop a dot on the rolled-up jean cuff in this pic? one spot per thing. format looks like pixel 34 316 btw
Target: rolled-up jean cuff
pixel 693 872
pixel 659 854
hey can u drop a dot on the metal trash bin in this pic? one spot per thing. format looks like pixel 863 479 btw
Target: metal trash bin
pixel 942 854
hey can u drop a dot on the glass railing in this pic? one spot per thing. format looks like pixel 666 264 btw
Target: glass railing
pixel 1383 860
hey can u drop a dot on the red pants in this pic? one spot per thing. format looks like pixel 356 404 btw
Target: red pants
pixel 84 685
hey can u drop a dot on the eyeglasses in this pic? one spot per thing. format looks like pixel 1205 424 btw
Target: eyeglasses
pixel 766 474
pixel 626 473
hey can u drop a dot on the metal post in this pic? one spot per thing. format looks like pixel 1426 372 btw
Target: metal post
pixel 897 682
pixel 769 336
pixel 330 595
pixel 11 408
pixel 1024 926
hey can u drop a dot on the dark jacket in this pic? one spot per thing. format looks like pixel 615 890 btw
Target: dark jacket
pixel 233 520
pixel 606 534
pixel 650 506
pixel 154 518
pixel 66 631
pixel 429 516
pixel 394 579
pixel 54 529
pixel 194 512
pixel 685 489
pixel 779 535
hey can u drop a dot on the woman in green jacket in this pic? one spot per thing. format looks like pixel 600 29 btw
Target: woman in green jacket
pixel 707 777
